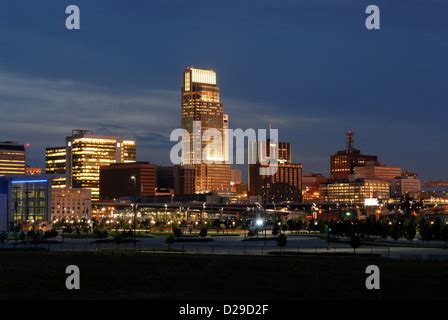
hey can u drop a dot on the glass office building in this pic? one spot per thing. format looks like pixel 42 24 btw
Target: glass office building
pixel 24 199
pixel 12 158
pixel 83 155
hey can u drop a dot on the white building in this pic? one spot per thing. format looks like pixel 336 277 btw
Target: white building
pixel 71 203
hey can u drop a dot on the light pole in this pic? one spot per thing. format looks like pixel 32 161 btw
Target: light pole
pixel 134 208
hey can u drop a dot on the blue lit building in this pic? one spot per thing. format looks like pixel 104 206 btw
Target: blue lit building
pixel 24 199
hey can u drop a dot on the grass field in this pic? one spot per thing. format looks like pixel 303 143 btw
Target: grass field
pixel 41 275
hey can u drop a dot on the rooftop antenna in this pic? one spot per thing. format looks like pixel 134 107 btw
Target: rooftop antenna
pixel 350 140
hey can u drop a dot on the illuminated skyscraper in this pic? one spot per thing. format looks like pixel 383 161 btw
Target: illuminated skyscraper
pixel 201 102
pixel 12 158
pixel 56 164
pixel 85 153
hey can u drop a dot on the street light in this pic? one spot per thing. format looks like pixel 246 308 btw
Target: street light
pixel 134 209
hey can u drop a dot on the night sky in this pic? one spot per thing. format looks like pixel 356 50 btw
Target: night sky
pixel 311 68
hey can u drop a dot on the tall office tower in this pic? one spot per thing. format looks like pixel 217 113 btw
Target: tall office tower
pixel 264 148
pixel 12 158
pixel 343 162
pixel 201 103
pixel 56 164
pixel 282 186
pixel 85 153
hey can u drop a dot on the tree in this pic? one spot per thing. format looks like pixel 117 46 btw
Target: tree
pixel 203 232
pixel 410 230
pixel 177 233
pixel 437 228
pixel 395 231
pixel 54 233
pixel 426 230
pixel 355 242
pixel 444 232
pixel 282 240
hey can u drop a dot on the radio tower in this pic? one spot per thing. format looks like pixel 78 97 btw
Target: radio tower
pixel 350 140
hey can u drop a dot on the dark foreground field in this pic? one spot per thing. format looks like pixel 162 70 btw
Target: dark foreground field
pixel 40 275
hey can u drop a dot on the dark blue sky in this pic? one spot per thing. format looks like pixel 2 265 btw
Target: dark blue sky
pixel 309 67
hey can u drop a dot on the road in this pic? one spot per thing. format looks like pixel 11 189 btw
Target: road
pixel 236 245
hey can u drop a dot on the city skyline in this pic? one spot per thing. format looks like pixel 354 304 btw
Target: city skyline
pixel 312 92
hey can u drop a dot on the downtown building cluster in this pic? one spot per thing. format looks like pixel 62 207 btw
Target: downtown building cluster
pixel 91 168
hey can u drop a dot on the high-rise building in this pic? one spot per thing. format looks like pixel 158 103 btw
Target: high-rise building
pixel 121 180
pixel 201 103
pixel 263 149
pixel 178 178
pixel 70 203
pixel 376 170
pixel 343 162
pixel 285 184
pixel 282 186
pixel 236 176
pixel 12 158
pixel 84 154
pixel 56 164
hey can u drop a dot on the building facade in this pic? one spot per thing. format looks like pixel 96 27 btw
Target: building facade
pixel 84 154
pixel 235 176
pixel 70 203
pixel 201 104
pixel 180 179
pixel 282 186
pixel 342 163
pixel 56 164
pixel 355 192
pixel 377 171
pixel 12 158
pixel 120 180
pixel 33 171
pixel 24 199
pixel 310 186
pixel 400 186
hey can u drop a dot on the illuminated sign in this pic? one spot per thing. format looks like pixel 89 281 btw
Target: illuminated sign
pixel 371 202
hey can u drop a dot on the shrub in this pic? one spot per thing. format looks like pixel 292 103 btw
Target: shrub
pixel 355 241
pixel 203 232
pixel 177 232
pixel 282 240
